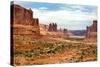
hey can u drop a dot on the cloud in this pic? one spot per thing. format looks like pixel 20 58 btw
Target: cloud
pixel 43 8
pixel 64 18
pixel 63 14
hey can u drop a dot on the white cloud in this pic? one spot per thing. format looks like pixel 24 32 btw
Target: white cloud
pixel 63 14
pixel 43 8
pixel 82 2
pixel 63 17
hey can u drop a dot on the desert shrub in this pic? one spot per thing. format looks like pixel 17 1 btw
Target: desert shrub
pixel 17 53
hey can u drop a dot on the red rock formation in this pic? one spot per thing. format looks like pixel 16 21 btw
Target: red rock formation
pixel 22 21
pixel 91 31
pixel 52 27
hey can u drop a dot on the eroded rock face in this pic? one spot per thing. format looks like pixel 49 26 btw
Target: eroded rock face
pixel 91 31
pixel 52 27
pixel 22 21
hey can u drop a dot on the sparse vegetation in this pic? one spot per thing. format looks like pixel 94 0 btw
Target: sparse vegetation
pixel 43 49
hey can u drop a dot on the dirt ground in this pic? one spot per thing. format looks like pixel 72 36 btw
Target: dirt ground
pixel 48 50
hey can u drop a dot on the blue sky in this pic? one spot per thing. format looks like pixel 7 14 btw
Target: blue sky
pixel 70 16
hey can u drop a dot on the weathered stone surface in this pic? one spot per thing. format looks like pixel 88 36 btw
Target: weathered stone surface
pixel 23 21
pixel 91 31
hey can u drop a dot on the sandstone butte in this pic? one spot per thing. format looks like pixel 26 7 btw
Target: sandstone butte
pixel 23 22
pixel 91 31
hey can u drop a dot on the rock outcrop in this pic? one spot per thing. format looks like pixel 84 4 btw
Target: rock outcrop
pixel 52 27
pixel 22 21
pixel 91 32
pixel 52 31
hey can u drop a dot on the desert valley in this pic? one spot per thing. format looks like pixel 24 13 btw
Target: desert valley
pixel 37 43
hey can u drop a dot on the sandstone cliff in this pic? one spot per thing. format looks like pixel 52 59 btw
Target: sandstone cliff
pixel 91 31
pixel 22 21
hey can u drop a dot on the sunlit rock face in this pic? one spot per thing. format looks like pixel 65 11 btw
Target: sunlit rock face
pixel 23 21
pixel 91 32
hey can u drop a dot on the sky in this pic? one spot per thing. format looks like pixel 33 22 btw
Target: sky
pixel 70 16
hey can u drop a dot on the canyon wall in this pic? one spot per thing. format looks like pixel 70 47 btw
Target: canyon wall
pixel 91 31
pixel 22 21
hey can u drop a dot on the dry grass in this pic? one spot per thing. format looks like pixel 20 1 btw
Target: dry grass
pixel 46 51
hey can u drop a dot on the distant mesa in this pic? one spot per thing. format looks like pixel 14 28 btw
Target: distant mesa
pixel 78 32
